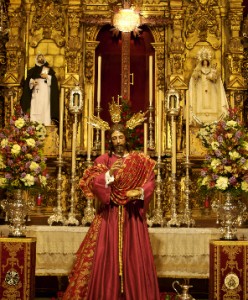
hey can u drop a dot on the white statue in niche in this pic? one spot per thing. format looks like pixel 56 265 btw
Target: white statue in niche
pixel 207 97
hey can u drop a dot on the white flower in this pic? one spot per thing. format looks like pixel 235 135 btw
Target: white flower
pixel 4 143
pixel 215 163
pixel 215 145
pixel 234 155
pixel 28 180
pixel 19 123
pixel 30 142
pixel 16 149
pixel 231 123
pixel 33 166
pixel 3 182
pixel 222 183
pixel 43 180
pixel 244 186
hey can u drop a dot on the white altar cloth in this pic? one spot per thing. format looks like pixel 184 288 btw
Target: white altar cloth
pixel 178 252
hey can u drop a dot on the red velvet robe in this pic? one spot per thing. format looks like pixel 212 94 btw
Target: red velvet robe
pixel 95 275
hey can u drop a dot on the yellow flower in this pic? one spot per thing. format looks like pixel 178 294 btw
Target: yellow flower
pixel 33 166
pixel 244 186
pixel 19 123
pixel 215 163
pixel 231 123
pixel 222 183
pixel 205 180
pixel 43 180
pixel 228 169
pixel 30 142
pixel 215 145
pixel 2 165
pixel 245 165
pixel 245 145
pixel 16 149
pixel 28 180
pixel 3 182
pixel 234 155
pixel 4 143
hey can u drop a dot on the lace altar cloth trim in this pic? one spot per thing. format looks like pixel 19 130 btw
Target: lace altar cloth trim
pixel 178 252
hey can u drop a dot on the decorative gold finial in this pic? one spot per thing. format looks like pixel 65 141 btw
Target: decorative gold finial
pixel 115 111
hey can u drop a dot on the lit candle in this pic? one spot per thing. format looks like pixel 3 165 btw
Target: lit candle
pixel 102 141
pixel 99 81
pixel 150 80
pixel 187 126
pixel 61 117
pixel 145 138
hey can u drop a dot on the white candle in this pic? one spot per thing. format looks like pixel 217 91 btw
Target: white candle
pixel 102 141
pixel 150 80
pixel 145 138
pixel 73 148
pixel 89 133
pixel 61 117
pixel 174 151
pixel 99 81
pixel 187 126
pixel 159 126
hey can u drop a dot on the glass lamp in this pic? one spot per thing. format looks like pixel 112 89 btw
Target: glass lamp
pixel 126 20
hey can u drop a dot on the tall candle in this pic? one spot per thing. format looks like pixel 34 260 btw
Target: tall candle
pixel 174 151
pixel 187 126
pixel 99 81
pixel 159 126
pixel 89 133
pixel 102 141
pixel 150 80
pixel 145 138
pixel 61 117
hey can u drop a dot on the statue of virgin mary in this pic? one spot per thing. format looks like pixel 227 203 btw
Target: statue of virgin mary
pixel 207 97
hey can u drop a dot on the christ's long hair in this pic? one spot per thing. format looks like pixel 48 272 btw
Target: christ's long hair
pixel 121 128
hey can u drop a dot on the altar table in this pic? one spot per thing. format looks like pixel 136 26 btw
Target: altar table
pixel 178 252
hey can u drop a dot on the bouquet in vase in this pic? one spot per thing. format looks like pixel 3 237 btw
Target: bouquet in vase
pixel 225 168
pixel 22 163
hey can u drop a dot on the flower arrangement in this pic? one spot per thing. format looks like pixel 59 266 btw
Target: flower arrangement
pixel 226 166
pixel 22 163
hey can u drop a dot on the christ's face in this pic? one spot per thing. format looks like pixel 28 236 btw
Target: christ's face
pixel 119 142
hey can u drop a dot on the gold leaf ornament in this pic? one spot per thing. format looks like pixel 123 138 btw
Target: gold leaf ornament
pixel 135 120
pixel 99 123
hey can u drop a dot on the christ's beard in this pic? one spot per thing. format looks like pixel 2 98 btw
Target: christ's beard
pixel 120 150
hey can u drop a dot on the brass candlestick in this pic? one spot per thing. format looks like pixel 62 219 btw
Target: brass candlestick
pixel 186 218
pixel 157 218
pixel 75 107
pixel 57 217
pixel 173 109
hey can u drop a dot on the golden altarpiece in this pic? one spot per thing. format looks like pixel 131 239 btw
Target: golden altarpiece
pixel 66 32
